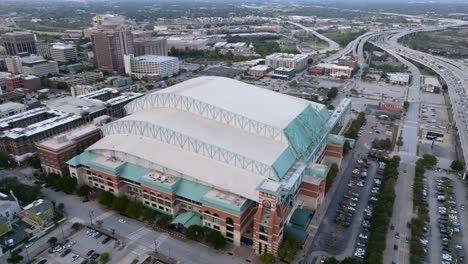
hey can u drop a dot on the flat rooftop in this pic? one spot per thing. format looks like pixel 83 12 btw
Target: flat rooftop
pixel 60 119
pixel 154 58
pixel 4 122
pixel 62 140
pixel 96 93
pixel 8 106
pixel 74 105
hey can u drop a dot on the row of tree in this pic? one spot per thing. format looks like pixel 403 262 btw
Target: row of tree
pixel 382 213
pixel 332 173
pixel 213 237
pixel 25 193
pixel 355 126
pixel 383 144
pixel 65 184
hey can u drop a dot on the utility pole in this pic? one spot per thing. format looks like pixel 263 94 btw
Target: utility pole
pixel 91 214
pixel 155 246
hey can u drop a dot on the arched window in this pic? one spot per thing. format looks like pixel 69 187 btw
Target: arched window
pixel 207 212
pixel 229 221
pixel 109 178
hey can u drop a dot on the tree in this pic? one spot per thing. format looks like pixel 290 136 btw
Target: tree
pixel 76 226
pixel 331 260
pixel 350 260
pixel 429 161
pixel 84 190
pixel 457 165
pixel 33 161
pixel 120 204
pixel 293 83
pixel 406 105
pixel 332 93
pixel 216 239
pixel 134 210
pixel 149 215
pixel 106 199
pixel 15 259
pixel 289 247
pixel 5 160
pixel 194 232
pixel 104 257
pixel 332 173
pixel 62 86
pixel 163 222
pixel 25 193
pixel 52 241
pixel 61 207
pixel 66 184
pixel 346 147
pixel 267 258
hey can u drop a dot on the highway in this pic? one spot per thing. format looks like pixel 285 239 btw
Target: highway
pixel 332 45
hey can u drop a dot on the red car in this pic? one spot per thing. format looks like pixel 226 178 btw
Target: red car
pixel 90 253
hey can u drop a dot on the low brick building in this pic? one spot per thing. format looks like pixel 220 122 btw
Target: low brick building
pixel 56 151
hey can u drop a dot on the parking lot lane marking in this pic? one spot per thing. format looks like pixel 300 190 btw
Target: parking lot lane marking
pixel 103 216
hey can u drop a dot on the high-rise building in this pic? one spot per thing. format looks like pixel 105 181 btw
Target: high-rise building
pixel 110 44
pixel 43 49
pixel 150 46
pixel 151 65
pixel 17 42
pixel 62 52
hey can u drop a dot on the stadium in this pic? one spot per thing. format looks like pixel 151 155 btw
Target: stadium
pixel 222 154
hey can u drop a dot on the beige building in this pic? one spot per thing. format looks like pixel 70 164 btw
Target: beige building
pixel 79 89
pixel 62 52
pixel 285 60
pixel 151 65
pixel 259 70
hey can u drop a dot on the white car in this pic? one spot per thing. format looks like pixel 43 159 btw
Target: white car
pixel 122 221
pixel 29 245
pixel 75 257
pixel 363 236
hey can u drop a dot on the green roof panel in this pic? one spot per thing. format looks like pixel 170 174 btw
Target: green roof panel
pixel 191 190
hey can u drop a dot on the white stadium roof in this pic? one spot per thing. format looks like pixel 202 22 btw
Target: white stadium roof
pixel 180 128
pixel 257 103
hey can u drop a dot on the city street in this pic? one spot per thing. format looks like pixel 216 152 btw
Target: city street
pixel 403 208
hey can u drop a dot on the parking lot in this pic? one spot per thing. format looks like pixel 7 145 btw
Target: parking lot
pixel 446 227
pixel 369 200
pixel 84 245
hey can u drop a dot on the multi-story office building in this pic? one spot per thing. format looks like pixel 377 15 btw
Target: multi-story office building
pixel 17 42
pixel 54 152
pixel 31 64
pixel 43 49
pixel 62 52
pixel 150 46
pixel 80 78
pixel 285 60
pixel 29 82
pixel 151 65
pixel 111 43
pixel 216 152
